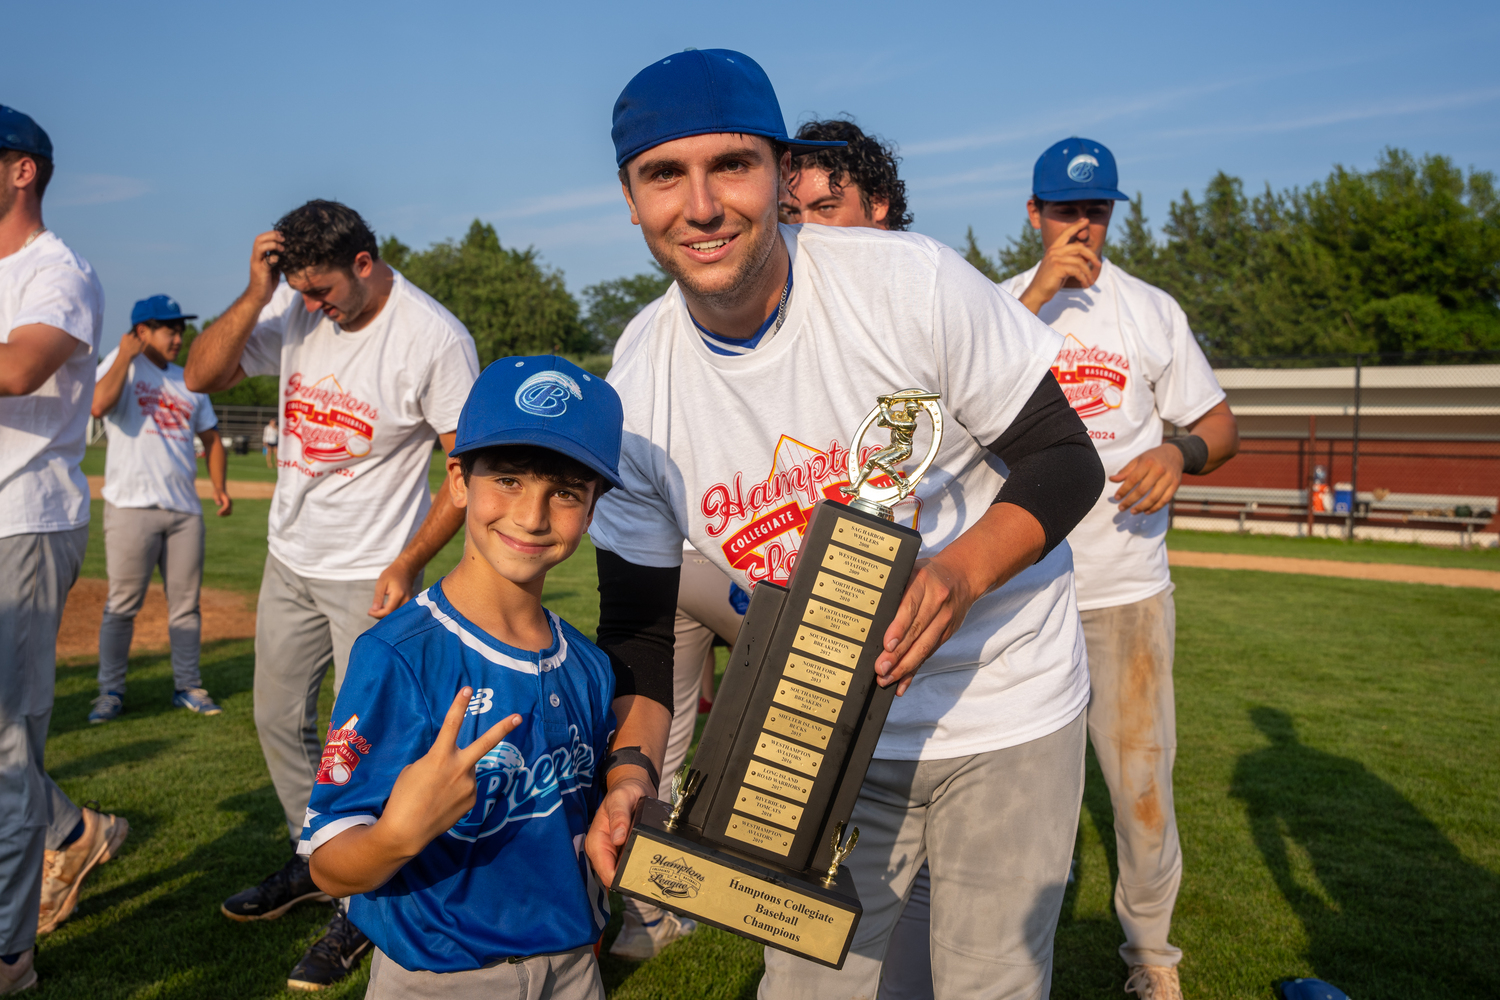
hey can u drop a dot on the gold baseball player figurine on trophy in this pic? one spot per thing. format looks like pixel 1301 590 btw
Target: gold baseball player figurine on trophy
pixel 754 840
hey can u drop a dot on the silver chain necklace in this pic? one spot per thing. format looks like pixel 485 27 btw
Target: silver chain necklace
pixel 39 230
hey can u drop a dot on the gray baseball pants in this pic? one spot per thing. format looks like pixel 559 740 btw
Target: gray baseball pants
pixel 1132 720
pixel 1133 727
pixel 568 975
pixel 136 541
pixel 996 830
pixel 300 625
pixel 35 815
pixel 703 611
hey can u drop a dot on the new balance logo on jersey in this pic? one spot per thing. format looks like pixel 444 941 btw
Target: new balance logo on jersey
pixel 482 701
pixel 510 790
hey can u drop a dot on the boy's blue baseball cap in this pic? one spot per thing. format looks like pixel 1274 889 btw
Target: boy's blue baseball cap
pixel 18 131
pixel 549 402
pixel 698 92
pixel 1076 170
pixel 157 309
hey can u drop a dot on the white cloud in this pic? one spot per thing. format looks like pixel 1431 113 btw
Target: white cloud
pixel 1443 102
pixel 565 201
pixel 99 189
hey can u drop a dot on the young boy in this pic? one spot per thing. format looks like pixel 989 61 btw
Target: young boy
pixel 480 887
pixel 152 515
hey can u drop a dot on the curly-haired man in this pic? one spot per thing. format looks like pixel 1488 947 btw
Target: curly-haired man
pixel 853 185
pixel 372 370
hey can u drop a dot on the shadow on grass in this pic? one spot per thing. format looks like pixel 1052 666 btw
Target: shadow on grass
pixel 1086 960
pixel 1390 906
pixel 145 696
pixel 129 753
pixel 161 934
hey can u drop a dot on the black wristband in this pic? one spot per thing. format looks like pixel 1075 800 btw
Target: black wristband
pixel 1194 452
pixel 621 756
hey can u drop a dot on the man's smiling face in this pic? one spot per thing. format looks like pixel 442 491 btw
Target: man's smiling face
pixel 707 207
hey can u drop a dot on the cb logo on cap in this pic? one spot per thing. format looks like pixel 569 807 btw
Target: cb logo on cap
pixel 546 394
pixel 1081 168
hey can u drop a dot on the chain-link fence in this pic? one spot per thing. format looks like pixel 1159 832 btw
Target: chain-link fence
pixel 1401 447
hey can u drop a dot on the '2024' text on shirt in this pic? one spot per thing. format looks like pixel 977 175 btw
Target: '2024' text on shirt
pixel 510 878
pixel 359 414
pixel 731 453
pixel 42 434
pixel 1128 362
pixel 150 460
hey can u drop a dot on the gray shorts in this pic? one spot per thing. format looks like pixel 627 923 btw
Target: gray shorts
pixel 568 975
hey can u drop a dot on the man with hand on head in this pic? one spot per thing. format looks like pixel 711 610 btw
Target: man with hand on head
pixel 152 516
pixel 758 368
pixel 51 309
pixel 372 371
pixel 852 185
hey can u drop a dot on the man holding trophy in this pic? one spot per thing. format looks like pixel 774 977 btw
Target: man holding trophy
pixel 978 769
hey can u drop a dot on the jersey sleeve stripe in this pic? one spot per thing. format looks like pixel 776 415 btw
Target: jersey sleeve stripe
pixel 324 834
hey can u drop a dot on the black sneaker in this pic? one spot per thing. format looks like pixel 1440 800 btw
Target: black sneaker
pixel 291 885
pixel 332 957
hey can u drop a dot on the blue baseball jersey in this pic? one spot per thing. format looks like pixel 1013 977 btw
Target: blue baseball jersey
pixel 510 878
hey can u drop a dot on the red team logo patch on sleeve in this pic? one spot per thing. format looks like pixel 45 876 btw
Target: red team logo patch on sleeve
pixel 341 753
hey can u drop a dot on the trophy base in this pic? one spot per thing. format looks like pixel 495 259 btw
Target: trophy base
pixel 791 911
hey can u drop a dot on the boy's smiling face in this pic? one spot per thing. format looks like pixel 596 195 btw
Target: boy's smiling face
pixel 519 523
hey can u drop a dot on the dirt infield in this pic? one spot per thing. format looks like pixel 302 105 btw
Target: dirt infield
pixel 1387 572
pixel 239 489
pixel 227 614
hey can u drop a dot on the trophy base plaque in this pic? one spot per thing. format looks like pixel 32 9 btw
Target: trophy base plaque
pixel 790 911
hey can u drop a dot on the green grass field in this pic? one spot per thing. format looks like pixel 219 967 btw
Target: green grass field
pixel 1362 550
pixel 1337 790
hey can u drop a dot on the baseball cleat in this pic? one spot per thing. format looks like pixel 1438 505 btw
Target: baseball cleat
pixel 284 889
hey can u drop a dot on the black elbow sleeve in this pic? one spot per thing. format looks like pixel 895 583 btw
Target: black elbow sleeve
pixel 637 608
pixel 1057 485
pixel 1055 472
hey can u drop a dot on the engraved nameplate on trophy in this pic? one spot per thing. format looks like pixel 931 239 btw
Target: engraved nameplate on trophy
pixel 755 839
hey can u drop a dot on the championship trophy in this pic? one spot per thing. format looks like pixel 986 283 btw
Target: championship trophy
pixel 754 839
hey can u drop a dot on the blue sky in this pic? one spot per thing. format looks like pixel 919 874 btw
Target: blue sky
pixel 182 130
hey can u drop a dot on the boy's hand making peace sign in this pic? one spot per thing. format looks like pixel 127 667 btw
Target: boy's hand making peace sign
pixel 429 796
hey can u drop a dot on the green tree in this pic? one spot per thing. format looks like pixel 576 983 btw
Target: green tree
pixel 610 305
pixel 261 390
pixel 1405 257
pixel 981 263
pixel 510 303
pixel 1020 254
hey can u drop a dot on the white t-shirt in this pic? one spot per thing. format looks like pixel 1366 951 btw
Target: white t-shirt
pixel 1128 362
pixel 731 453
pixel 268 435
pixel 359 412
pixel 150 461
pixel 42 435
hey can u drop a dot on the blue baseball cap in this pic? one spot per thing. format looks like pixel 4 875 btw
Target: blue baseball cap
pixel 549 402
pixel 699 92
pixel 1076 170
pixel 18 131
pixel 157 309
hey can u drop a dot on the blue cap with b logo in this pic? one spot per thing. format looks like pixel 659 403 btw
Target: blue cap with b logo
pixel 158 309
pixel 1076 170
pixel 548 402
